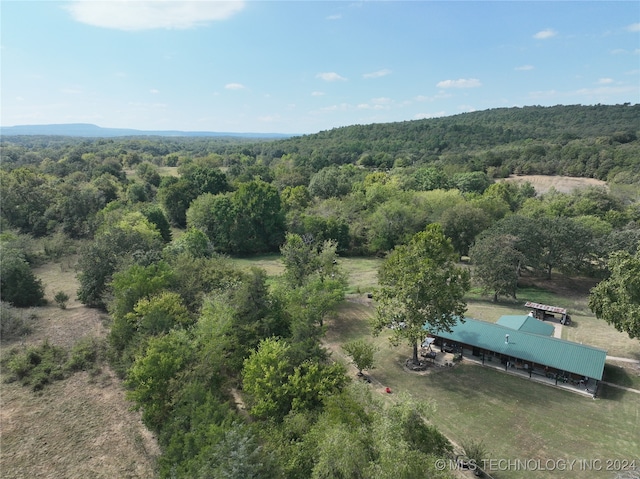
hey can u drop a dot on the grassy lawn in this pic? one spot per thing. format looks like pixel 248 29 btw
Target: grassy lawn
pixel 362 272
pixel 516 418
pixel 588 329
pixel 269 262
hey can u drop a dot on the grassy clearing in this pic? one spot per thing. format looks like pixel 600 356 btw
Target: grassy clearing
pixel 516 418
pixel 271 263
pixel 362 272
pixel 591 330
pixel 77 427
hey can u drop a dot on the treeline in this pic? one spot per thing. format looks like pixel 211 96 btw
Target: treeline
pixel 244 197
pixel 599 141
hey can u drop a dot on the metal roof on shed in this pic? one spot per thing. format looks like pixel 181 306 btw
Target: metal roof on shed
pixel 547 351
pixel 544 307
pixel 528 324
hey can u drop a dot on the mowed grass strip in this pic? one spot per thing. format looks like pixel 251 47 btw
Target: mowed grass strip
pixel 516 418
pixel 362 272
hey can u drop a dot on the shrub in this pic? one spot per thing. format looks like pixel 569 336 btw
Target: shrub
pixel 12 324
pixel 18 285
pixel 86 355
pixel 61 299
pixel 37 366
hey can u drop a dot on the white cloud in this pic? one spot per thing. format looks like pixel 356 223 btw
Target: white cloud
pixel 330 76
pixel 460 83
pixel 605 81
pixel 317 93
pixel 147 15
pixel 380 103
pixel 234 86
pixel 154 91
pixel 337 16
pixel 545 34
pixel 524 68
pixel 634 27
pixel 377 74
pixel 340 107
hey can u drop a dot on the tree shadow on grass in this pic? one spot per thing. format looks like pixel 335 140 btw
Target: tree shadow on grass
pixel 611 393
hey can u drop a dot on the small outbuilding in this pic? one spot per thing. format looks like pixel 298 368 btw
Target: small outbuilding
pixel 544 311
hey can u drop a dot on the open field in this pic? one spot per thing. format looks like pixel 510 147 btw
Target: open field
pixel 79 427
pixel 362 272
pixel 563 184
pixel 516 418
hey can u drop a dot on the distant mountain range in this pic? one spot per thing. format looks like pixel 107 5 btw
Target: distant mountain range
pixel 93 131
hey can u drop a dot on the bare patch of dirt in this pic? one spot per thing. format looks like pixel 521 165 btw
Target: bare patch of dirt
pixel 563 184
pixel 79 427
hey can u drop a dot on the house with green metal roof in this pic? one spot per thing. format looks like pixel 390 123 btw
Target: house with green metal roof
pixel 528 324
pixel 530 353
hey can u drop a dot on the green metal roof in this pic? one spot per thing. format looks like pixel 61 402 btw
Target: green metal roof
pixel 528 324
pixel 553 352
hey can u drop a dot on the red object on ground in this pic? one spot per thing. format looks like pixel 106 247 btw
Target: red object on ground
pixel 388 390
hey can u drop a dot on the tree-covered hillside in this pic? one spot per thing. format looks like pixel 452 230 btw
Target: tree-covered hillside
pixel 598 141
pixel 592 141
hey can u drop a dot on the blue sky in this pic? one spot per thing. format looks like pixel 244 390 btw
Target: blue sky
pixel 307 66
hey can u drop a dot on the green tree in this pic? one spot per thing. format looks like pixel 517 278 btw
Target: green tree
pixel 204 178
pixel 237 455
pixel 259 222
pixel 216 216
pixel 474 182
pixel 137 282
pixel 192 242
pixel 361 353
pixel 26 196
pixel 329 182
pixel 617 298
pixel 496 263
pixel 77 207
pixel 175 195
pixel 421 288
pixel 159 314
pixel 18 285
pixel 127 238
pixel 462 223
pixel 393 222
pixel 156 217
pixel 153 376
pixel 264 377
pixel 299 258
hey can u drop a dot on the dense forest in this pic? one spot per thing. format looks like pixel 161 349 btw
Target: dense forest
pixel 154 221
